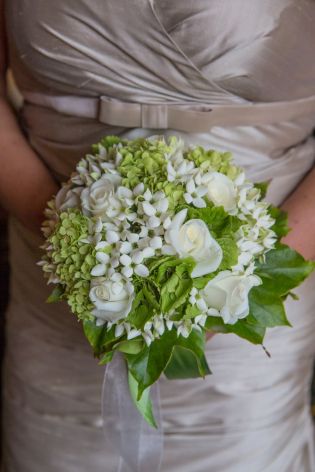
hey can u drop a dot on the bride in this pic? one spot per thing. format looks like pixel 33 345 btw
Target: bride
pixel 253 413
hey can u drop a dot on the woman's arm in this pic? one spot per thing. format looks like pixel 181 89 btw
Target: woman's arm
pixel 301 209
pixel 25 182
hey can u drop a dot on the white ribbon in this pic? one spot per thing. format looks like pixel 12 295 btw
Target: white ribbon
pixel 138 446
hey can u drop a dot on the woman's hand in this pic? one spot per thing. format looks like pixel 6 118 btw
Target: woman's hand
pixel 300 207
pixel 25 182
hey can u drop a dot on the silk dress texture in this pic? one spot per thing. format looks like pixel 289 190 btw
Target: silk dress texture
pixel 252 414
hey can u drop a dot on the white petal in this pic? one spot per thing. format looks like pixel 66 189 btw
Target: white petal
pixel 168 250
pixel 112 237
pixel 142 270
pixel 148 209
pixel 98 226
pixel 162 205
pixel 190 186
pixel 125 247
pixel 199 203
pixel 148 338
pixel 147 195
pixel 102 257
pixel 98 270
pixel 119 330
pixel 125 260
pixel 99 322
pixel 137 257
pixel 127 271
pixel 114 262
pixel 169 324
pixel 133 237
pixel 154 222
pixel 148 252
pixel 201 304
pixel 188 198
pixel 139 189
pixel 133 333
pixel 156 242
pixel 167 222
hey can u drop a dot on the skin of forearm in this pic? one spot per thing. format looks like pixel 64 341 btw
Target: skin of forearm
pixel 300 207
pixel 25 182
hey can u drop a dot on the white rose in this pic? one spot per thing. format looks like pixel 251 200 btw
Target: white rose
pixel 112 297
pixel 68 197
pixel 100 198
pixel 228 294
pixel 193 239
pixel 221 190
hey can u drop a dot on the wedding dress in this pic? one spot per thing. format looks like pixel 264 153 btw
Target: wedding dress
pixel 252 414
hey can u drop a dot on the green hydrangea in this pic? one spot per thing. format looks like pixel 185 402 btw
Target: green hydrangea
pixel 144 161
pixel 74 259
pixel 213 161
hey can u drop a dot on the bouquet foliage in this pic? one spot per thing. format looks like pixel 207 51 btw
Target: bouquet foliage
pixel 153 243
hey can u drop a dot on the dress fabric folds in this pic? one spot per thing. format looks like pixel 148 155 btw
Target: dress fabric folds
pixel 253 412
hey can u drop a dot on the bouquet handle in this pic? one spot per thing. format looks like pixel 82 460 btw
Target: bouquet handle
pixel 138 446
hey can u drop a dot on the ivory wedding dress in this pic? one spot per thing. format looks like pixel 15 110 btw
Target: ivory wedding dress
pixel 252 414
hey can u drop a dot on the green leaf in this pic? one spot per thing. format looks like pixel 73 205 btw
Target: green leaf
pixel 149 364
pixel 56 295
pixel 283 270
pixel 173 276
pixel 253 333
pixel 151 295
pixel 100 339
pixel 280 227
pixel 230 252
pixel 266 309
pixel 263 187
pixel 144 405
pixel 214 217
pixel 249 331
pixel 175 292
pixel 106 358
pixel 215 324
pixel 131 346
pixel 141 311
pixel 184 364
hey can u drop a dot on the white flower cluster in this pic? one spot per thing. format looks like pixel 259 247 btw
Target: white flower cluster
pixel 128 226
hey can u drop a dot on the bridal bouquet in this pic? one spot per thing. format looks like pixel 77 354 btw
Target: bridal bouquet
pixel 153 243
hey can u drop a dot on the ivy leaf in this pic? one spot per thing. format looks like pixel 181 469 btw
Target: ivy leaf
pixel 130 346
pixel 251 332
pixel 184 364
pixel 215 217
pixel 280 227
pixel 263 187
pixel 148 365
pixel 106 358
pixel 151 295
pixel 215 324
pixel 174 292
pixel 266 309
pixel 56 295
pixel 100 339
pixel 141 311
pixel 175 282
pixel 283 270
pixel 230 252
pixel 144 404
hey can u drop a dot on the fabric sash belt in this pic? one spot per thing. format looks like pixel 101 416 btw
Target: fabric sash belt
pixel 183 117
